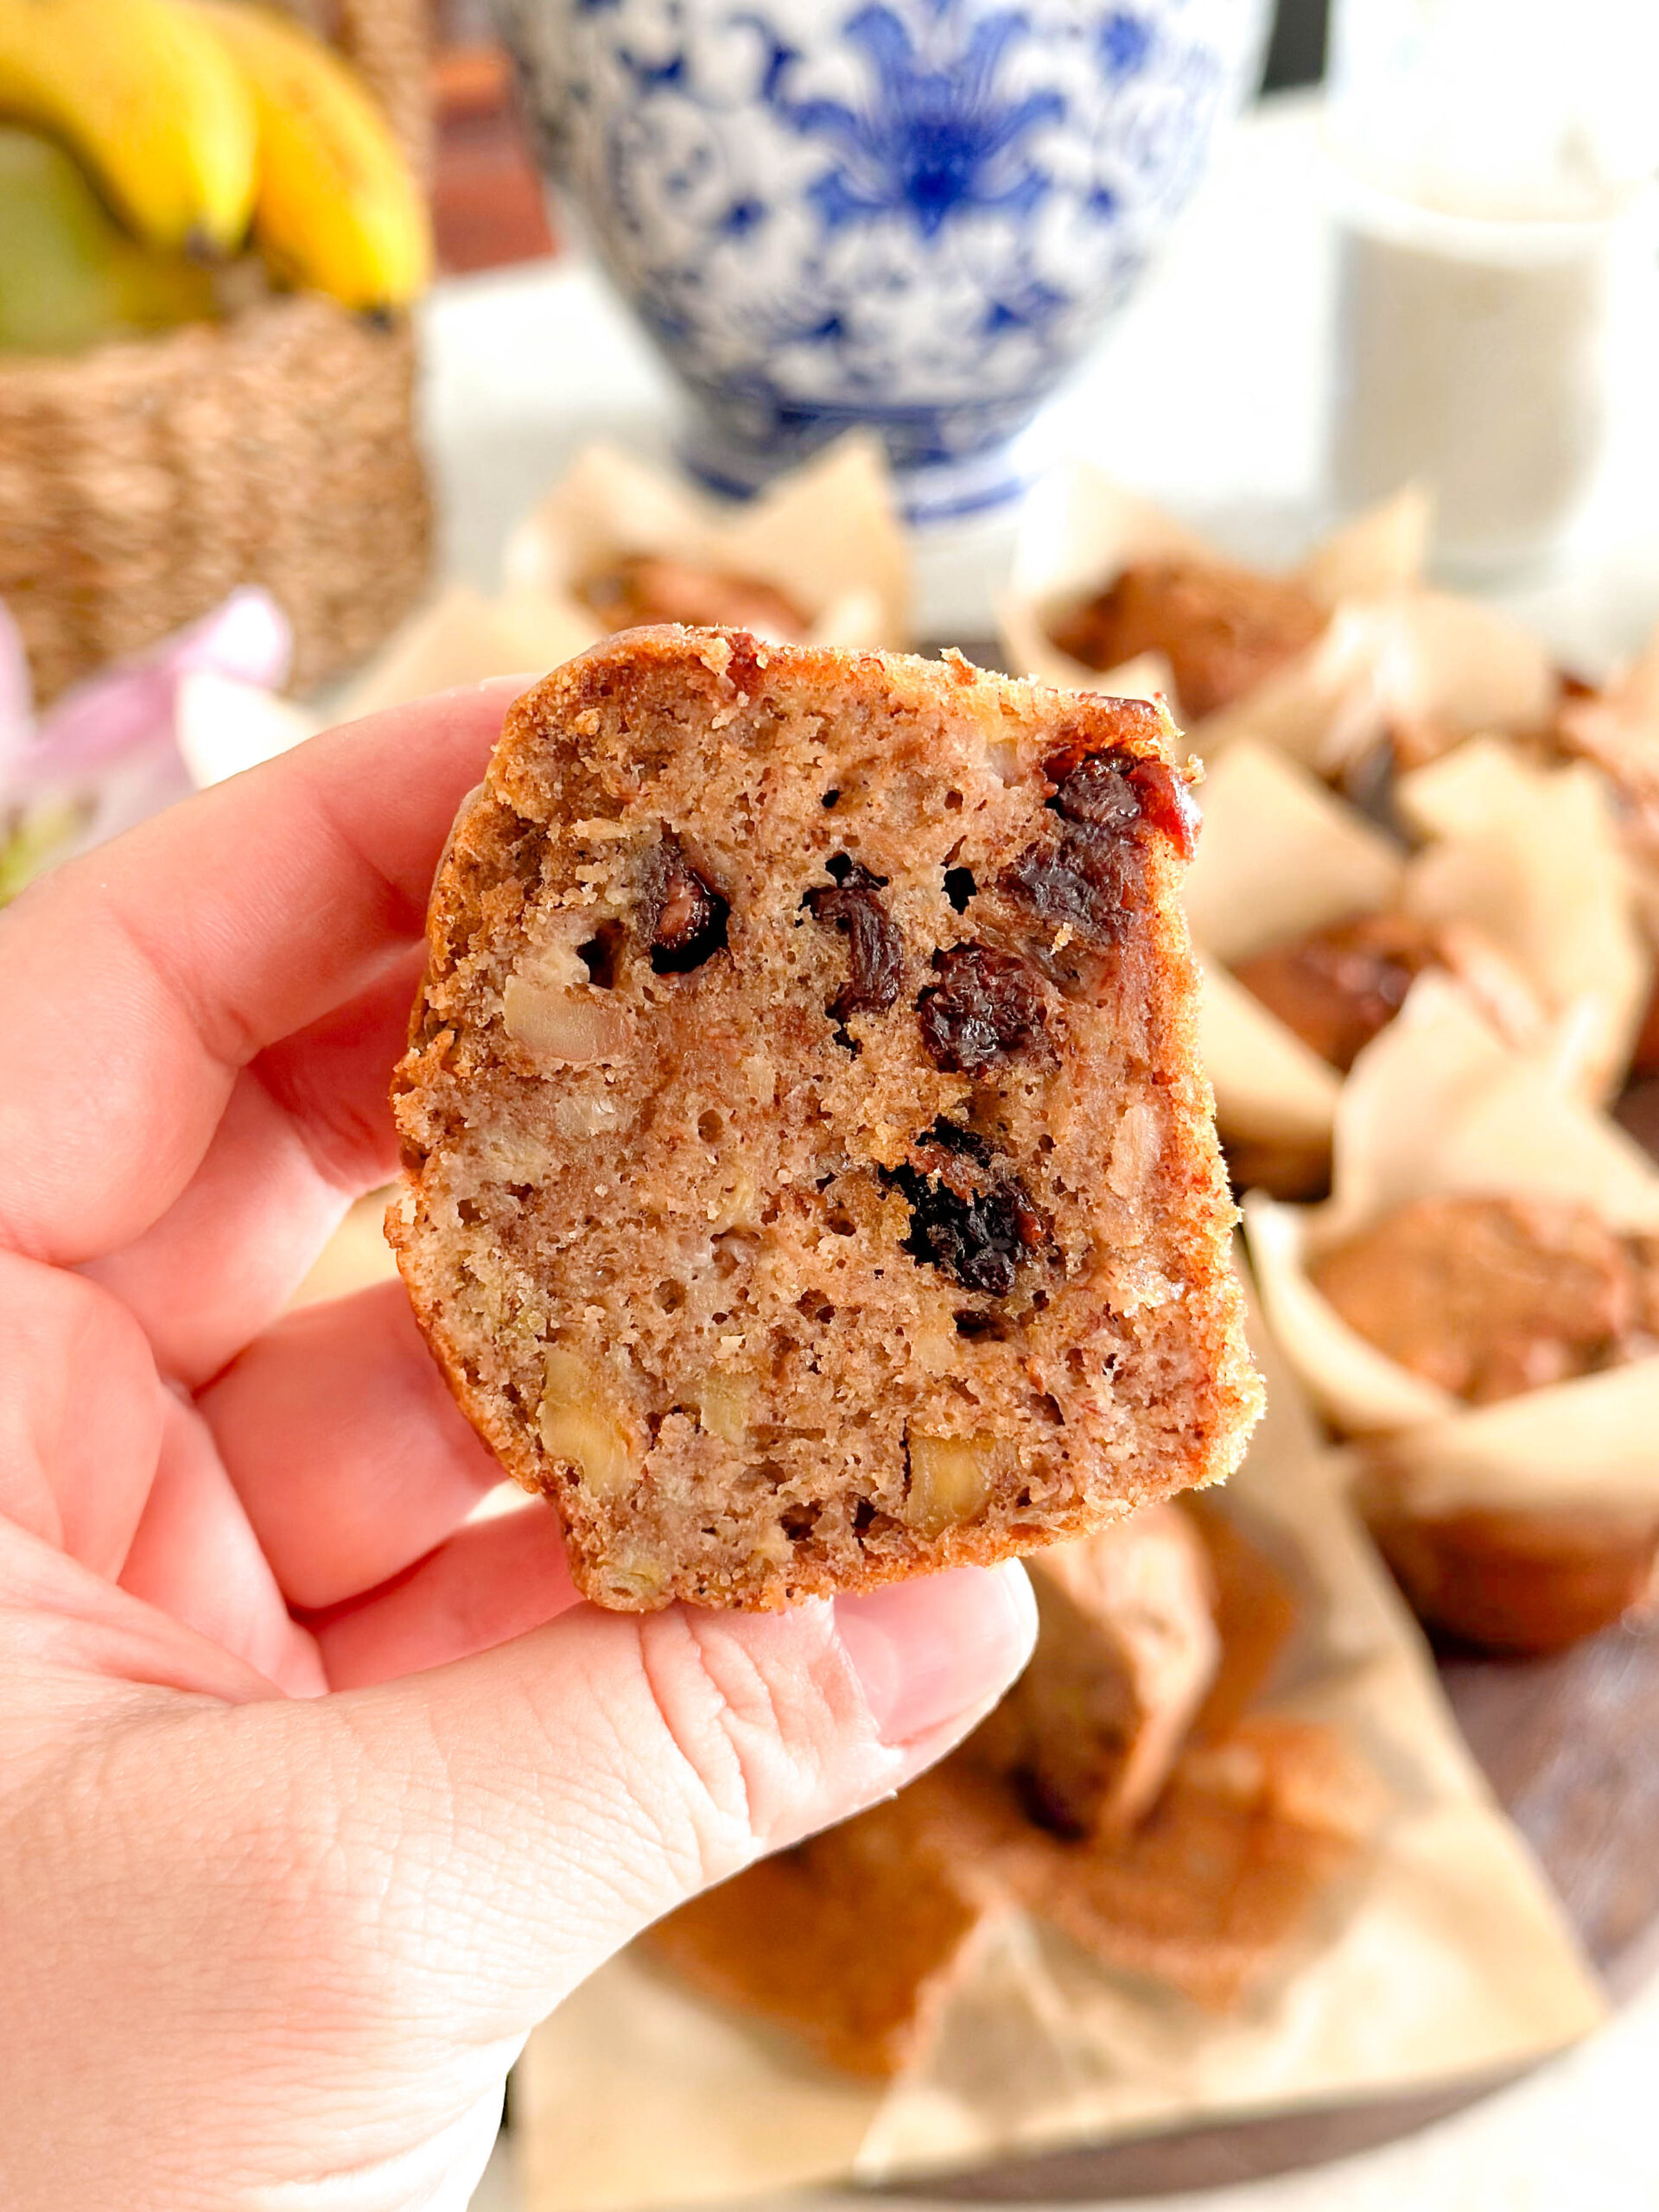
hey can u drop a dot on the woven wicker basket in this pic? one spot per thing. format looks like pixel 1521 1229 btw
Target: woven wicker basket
pixel 142 481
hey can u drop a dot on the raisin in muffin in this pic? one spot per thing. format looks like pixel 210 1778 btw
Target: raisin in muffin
pixel 809 1179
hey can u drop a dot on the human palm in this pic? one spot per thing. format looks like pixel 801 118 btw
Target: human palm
pixel 316 1791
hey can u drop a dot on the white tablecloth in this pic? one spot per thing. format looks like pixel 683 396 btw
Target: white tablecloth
pixel 1209 393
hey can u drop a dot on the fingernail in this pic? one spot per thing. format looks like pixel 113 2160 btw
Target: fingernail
pixel 930 1652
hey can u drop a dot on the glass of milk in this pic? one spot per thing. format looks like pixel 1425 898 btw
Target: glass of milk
pixel 1492 156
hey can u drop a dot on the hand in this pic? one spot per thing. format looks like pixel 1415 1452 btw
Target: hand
pixel 316 1795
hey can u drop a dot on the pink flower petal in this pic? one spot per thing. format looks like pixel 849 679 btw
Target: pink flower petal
pixel 16 696
pixel 98 721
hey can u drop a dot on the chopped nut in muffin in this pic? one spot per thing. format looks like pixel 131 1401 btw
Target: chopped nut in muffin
pixel 1221 629
pixel 809 1177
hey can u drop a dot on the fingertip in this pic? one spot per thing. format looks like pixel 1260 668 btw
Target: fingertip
pixel 932 1655
pixel 510 687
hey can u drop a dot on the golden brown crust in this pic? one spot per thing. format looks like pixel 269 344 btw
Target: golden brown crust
pixel 1127 1650
pixel 851 1940
pixel 1223 1876
pixel 1221 629
pixel 1487 1296
pixel 1515 1581
pixel 784 1254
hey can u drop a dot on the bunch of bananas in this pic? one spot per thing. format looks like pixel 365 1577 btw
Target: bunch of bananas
pixel 203 122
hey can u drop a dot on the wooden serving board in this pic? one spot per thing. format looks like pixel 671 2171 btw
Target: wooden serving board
pixel 1568 1744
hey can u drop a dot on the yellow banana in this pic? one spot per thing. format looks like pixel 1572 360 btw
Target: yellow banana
pixel 336 206
pixel 149 100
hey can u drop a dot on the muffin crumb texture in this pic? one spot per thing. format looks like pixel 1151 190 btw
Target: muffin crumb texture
pixel 809 1180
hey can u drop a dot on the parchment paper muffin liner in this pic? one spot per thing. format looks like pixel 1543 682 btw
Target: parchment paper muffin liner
pixel 1532 856
pixel 461 638
pixel 827 538
pixel 1394 656
pixel 1617 728
pixel 1524 869
pixel 1438 1104
pixel 1449 1959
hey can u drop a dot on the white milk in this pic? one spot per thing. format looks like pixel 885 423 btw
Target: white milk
pixel 1471 356
pixel 1489 150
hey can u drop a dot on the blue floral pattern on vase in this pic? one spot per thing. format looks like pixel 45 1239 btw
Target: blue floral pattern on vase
pixel 914 215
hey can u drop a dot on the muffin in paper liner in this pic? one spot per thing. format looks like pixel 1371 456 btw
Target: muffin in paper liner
pixel 1278 855
pixel 1394 660
pixel 1533 855
pixel 1523 877
pixel 1081 528
pixel 1440 1956
pixel 1616 729
pixel 1439 1105
pixel 827 539
pixel 461 638
pixel 1617 726
pixel 1447 1959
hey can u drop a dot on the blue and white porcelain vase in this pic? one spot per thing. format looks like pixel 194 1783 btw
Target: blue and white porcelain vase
pixel 910 215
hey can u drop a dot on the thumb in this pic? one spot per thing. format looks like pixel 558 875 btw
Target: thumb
pixel 537 1806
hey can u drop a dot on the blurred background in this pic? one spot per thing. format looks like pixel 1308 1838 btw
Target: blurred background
pixel 1295 363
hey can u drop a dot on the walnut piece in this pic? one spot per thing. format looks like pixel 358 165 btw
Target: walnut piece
pixel 950 1479
pixel 577 1424
pixel 723 1404
pixel 552 1024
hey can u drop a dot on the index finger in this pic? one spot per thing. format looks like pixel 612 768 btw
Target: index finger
pixel 134 983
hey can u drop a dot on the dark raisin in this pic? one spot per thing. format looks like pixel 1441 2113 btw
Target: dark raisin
pixel 601 955
pixel 1099 790
pixel 1116 789
pixel 986 1010
pixel 969 1214
pixel 976 1325
pixel 1046 1807
pixel 686 916
pixel 1092 878
pixel 1090 882
pixel 875 950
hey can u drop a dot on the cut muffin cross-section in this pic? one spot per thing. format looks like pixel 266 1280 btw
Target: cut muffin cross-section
pixel 809 1180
